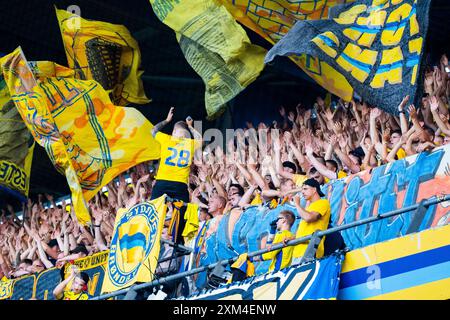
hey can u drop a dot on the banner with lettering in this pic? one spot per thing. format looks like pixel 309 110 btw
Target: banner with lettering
pixel 358 196
pixel 40 286
pixel 215 46
pixel 106 53
pixel 135 244
pixel 371 47
pixel 311 281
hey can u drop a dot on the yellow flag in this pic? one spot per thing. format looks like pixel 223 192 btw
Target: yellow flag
pixel 215 46
pixel 106 53
pixel 16 145
pixel 272 19
pixel 86 136
pixel 135 245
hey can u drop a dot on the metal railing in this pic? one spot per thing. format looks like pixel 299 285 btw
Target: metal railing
pixel 420 210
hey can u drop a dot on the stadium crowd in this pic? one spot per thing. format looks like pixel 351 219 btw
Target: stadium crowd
pixel 265 165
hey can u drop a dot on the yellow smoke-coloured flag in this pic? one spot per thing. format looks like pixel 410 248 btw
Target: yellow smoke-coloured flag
pixel 135 245
pixel 215 46
pixel 106 53
pixel 16 145
pixel 85 135
pixel 272 19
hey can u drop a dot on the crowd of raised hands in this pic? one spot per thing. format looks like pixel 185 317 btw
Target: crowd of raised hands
pixel 325 142
pixel 49 235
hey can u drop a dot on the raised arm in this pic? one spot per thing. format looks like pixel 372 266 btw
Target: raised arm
pixel 245 200
pixel 434 106
pixel 401 110
pixel 161 124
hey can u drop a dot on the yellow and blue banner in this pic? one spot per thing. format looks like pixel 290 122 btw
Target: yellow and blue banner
pixel 215 46
pixel 6 288
pixel 16 146
pixel 272 19
pixel 311 281
pixel 40 286
pixel 413 267
pixel 106 53
pixel 85 135
pixel 135 245
pixel 370 47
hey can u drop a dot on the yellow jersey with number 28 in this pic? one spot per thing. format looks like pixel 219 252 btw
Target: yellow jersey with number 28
pixel 176 157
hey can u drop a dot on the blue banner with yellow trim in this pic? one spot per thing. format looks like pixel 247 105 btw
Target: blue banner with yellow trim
pixel 311 281
pixel 370 47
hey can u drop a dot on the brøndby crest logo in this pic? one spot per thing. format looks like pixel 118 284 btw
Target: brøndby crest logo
pixel 133 240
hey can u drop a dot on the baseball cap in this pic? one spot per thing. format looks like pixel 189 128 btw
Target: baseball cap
pixel 315 184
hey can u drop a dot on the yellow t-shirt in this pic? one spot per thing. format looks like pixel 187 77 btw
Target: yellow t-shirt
pixel 299 179
pixel 322 207
pixel 340 174
pixel 176 157
pixel 401 153
pixel 281 258
pixel 69 295
pixel 256 200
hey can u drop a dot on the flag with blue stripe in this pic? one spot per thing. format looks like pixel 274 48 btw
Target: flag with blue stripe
pixel 369 48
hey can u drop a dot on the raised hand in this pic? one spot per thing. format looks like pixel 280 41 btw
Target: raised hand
pixel 338 127
pixel 170 114
pixel 412 111
pixel 328 115
pixel 333 140
pixel 402 104
pixel 434 103
pixel 291 117
pixel 282 111
pixel 375 113
pixel 386 134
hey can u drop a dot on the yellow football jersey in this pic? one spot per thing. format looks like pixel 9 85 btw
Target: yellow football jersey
pixel 281 258
pixel 176 157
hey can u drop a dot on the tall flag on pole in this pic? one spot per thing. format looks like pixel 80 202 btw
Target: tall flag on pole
pixel 16 146
pixel 135 245
pixel 371 47
pixel 86 136
pixel 106 53
pixel 215 46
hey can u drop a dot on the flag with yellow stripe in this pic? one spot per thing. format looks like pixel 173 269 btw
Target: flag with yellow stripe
pixel 135 245
pixel 86 136
pixel 369 47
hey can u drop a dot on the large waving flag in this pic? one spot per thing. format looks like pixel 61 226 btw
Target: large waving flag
pixel 272 19
pixel 371 47
pixel 215 46
pixel 16 146
pixel 86 136
pixel 106 53
pixel 135 245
